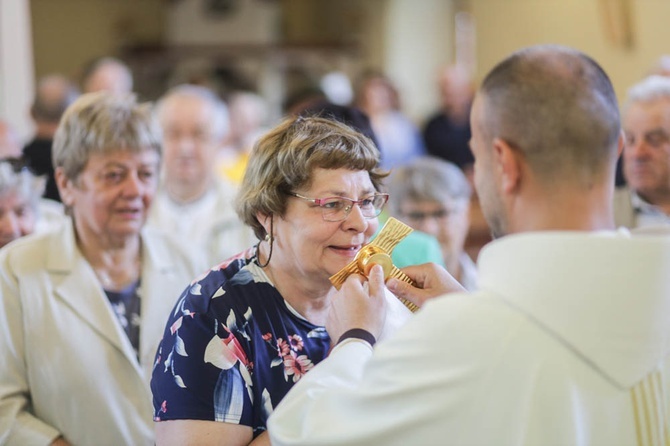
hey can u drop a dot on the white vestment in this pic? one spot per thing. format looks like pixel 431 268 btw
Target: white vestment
pixel 565 343
pixel 208 229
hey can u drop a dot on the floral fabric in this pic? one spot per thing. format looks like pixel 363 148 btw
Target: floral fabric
pixel 232 348
pixel 126 305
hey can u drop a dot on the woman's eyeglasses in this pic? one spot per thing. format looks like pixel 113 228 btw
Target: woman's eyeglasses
pixel 339 208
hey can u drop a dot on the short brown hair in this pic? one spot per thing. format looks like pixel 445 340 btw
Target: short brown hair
pixel 284 159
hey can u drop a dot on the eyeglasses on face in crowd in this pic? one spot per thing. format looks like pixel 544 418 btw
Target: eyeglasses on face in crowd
pixel 17 164
pixel 440 214
pixel 339 208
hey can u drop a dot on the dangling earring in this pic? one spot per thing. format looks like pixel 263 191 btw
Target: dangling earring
pixel 269 239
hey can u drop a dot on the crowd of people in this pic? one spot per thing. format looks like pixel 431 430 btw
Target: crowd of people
pixel 166 268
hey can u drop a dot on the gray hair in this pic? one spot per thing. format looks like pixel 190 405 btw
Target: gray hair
pixel 649 89
pixel 427 179
pixel 26 185
pixel 103 123
pixel 219 117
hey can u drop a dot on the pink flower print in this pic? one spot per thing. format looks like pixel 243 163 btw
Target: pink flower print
pixel 247 253
pixel 176 325
pixel 163 409
pixel 296 342
pixel 297 365
pixel 267 336
pixel 283 348
pixel 234 348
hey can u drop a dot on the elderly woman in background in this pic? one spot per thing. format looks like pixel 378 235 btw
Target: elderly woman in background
pixel 82 308
pixel 433 196
pixel 243 335
pixel 20 193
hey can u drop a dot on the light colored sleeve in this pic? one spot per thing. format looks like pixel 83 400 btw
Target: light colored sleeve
pixel 397 315
pixel 17 425
pixel 358 396
pixel 341 371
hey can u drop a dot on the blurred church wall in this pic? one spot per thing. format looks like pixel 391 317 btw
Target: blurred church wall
pixel 274 45
pixel 625 36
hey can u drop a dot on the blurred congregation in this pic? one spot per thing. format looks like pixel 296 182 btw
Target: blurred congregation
pixel 148 150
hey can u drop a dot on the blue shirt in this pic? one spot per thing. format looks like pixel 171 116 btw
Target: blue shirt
pixel 232 348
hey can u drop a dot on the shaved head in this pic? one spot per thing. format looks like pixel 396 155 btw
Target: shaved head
pixel 557 106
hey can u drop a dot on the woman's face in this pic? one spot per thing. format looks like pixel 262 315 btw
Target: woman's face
pixel 310 247
pixel 17 217
pixel 111 197
pixel 447 221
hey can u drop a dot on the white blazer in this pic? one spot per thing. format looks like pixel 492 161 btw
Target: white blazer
pixel 66 365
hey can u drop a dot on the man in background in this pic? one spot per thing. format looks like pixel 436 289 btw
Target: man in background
pixel 53 95
pixel 193 204
pixel 107 74
pixel 645 202
pixel 447 133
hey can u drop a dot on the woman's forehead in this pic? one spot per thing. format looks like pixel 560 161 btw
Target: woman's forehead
pixel 339 180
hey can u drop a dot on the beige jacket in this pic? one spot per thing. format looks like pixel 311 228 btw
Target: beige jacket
pixel 67 367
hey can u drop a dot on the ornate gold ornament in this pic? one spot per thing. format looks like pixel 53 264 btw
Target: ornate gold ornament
pixel 378 252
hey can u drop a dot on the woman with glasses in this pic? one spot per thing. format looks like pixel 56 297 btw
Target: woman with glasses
pixel 21 205
pixel 241 336
pixel 433 196
pixel 82 307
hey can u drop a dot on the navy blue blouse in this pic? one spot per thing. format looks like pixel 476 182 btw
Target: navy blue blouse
pixel 232 348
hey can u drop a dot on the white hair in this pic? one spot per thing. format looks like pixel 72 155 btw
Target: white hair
pixel 649 89
pixel 22 182
pixel 427 178
pixel 220 119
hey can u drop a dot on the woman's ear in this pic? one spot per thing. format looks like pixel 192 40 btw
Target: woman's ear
pixel 65 187
pixel 620 143
pixel 508 164
pixel 265 221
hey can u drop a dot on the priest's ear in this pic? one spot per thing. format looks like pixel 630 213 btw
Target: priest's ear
pixel 508 165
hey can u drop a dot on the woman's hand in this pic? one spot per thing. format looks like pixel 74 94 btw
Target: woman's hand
pixel 432 280
pixel 360 303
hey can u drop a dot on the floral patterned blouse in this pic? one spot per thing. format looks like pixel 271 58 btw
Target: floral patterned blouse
pixel 232 348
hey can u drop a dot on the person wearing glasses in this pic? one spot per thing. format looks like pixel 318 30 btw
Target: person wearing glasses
pixel 82 307
pixel 20 192
pixel 22 208
pixel 242 335
pixel 193 204
pixel 565 342
pixel 644 203
pixel 433 196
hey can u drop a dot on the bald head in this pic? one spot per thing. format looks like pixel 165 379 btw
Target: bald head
pixel 456 88
pixel 107 74
pixel 558 107
pixel 53 95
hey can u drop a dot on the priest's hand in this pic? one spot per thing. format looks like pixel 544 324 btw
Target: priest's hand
pixel 431 281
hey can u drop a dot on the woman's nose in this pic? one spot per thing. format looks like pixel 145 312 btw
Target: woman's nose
pixel 356 219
